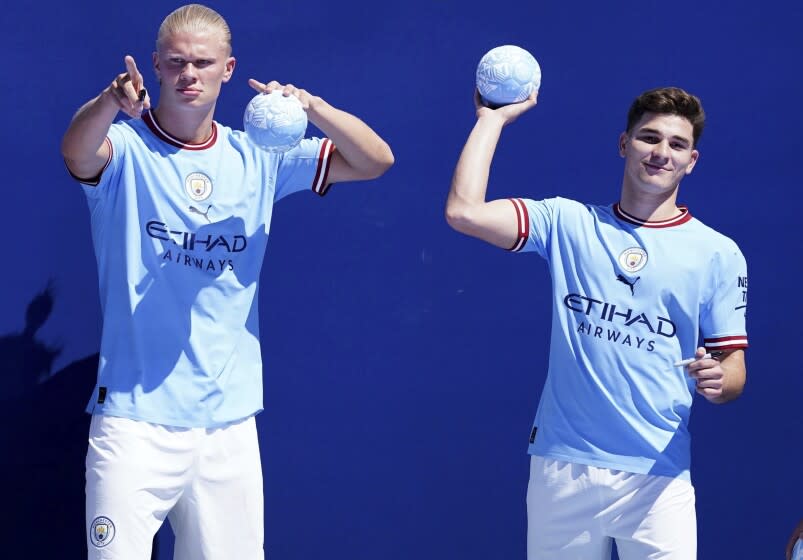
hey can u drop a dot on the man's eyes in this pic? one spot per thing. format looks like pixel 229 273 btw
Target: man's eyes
pixel 181 62
pixel 656 140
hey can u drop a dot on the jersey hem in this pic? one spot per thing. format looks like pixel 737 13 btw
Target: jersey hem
pixel 171 423
pixel 684 474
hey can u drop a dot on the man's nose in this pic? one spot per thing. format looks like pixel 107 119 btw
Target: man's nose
pixel 188 72
pixel 661 149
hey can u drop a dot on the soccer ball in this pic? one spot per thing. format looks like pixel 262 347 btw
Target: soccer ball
pixel 274 122
pixel 507 74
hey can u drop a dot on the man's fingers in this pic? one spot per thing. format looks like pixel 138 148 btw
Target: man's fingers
pixel 709 383
pixel 130 91
pixel 710 393
pixel 131 101
pixel 127 91
pixel 266 87
pixel 131 69
pixel 257 85
pixel 706 373
pixel 139 100
pixel 144 99
pixel 272 86
pixel 701 363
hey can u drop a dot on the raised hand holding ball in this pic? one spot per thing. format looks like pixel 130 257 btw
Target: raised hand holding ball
pixel 275 122
pixel 507 74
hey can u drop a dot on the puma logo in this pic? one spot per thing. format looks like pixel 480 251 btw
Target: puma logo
pixel 631 285
pixel 204 214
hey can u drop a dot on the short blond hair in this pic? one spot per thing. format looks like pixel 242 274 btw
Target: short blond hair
pixel 193 18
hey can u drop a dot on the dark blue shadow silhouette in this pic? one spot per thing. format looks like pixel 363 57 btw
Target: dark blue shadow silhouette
pixel 25 361
pixel 43 442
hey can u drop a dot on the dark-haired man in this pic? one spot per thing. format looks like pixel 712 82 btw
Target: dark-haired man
pixel 610 441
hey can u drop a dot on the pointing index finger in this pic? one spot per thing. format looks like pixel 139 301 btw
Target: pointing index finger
pixel 131 68
pixel 137 93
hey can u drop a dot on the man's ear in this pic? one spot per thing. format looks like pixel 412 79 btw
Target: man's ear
pixel 695 155
pixel 623 138
pixel 231 62
pixel 155 59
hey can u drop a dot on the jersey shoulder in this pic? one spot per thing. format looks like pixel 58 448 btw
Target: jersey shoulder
pixel 707 235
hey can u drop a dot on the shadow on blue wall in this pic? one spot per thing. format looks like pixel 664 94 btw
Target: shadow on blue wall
pixel 44 442
pixel 26 361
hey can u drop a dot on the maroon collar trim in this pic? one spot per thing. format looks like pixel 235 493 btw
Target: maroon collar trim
pixel 684 217
pixel 163 135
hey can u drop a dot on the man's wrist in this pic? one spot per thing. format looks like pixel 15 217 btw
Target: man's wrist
pixel 107 101
pixel 491 118
pixel 314 106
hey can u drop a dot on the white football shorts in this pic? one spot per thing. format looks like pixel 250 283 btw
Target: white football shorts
pixel 576 511
pixel 207 482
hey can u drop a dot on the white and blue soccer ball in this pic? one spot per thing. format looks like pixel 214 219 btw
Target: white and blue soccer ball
pixel 274 122
pixel 507 74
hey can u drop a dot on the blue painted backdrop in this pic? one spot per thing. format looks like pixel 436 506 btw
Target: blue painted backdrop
pixel 403 362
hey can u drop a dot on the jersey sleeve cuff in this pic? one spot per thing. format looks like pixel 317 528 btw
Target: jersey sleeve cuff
pixel 523 223
pixel 726 342
pixel 320 183
pixel 93 181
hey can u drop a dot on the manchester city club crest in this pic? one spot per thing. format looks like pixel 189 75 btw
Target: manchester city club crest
pixel 101 532
pixel 198 186
pixel 633 259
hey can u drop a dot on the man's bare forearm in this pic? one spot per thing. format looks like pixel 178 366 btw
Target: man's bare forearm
pixel 366 153
pixel 89 128
pixel 470 180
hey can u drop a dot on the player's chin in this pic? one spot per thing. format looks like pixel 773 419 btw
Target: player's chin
pixel 198 100
pixel 657 184
pixel 192 104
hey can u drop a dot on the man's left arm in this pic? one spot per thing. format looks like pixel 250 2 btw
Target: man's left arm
pixel 722 379
pixel 360 153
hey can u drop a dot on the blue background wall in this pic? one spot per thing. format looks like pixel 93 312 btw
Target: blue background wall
pixel 404 361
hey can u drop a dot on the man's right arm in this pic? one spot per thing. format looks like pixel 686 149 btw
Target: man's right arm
pixel 467 211
pixel 83 147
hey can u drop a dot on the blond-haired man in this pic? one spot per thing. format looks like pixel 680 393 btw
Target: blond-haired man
pixel 180 208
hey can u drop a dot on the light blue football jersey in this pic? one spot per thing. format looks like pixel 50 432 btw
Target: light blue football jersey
pixel 180 232
pixel 630 298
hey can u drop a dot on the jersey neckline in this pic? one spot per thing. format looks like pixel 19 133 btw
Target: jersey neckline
pixel 682 218
pixel 164 136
